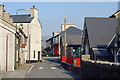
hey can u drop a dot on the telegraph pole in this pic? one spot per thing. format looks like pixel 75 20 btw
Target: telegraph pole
pixel 65 35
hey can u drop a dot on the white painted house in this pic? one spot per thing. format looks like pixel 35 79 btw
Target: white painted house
pixel 32 27
pixel 7 41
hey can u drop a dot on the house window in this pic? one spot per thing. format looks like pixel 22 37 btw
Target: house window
pixel 75 51
pixel 34 55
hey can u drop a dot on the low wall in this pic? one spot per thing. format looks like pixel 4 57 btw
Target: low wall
pixel 100 69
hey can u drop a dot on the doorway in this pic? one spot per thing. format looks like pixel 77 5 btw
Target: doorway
pixel 38 56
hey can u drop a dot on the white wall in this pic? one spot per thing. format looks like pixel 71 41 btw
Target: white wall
pixel 33 31
pixel 7 42
pixel 0 48
pixel 35 38
pixel 11 51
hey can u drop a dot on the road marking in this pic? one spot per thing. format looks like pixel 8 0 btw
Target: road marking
pixel 41 68
pixel 30 68
pixel 53 68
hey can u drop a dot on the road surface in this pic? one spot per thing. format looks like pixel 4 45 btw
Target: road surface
pixel 50 68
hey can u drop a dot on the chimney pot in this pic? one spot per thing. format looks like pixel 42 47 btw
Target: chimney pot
pixel 34 12
pixel 34 6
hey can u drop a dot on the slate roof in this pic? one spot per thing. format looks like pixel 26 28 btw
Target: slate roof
pixel 73 36
pixel 100 30
pixel 22 18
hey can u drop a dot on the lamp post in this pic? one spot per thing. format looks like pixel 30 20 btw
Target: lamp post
pixel 16 46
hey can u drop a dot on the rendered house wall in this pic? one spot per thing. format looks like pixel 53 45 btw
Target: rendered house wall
pixel 7 49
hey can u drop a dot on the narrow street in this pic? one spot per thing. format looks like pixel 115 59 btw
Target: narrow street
pixel 50 68
pixel 61 40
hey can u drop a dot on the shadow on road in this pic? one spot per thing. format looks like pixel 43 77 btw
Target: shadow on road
pixel 54 60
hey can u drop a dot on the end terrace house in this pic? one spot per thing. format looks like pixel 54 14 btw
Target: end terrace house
pixel 7 41
pixel 11 40
pixel 32 27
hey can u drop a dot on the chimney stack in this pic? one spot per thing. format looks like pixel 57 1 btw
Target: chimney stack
pixel 67 26
pixel 34 12
pixel 1 10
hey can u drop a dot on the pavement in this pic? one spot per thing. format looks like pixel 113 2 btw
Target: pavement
pixel 18 73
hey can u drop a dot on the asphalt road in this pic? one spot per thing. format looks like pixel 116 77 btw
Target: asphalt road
pixel 50 68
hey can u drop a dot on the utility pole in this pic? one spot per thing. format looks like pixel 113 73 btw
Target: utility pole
pixel 65 35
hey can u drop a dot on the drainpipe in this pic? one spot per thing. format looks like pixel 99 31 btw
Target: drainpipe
pixel 7 53
pixel 15 51
pixel 29 48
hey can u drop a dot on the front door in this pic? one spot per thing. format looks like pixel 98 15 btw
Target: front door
pixel 38 56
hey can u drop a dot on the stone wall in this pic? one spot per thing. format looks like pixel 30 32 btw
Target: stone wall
pixel 100 69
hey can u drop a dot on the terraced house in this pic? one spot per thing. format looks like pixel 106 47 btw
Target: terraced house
pixel 53 43
pixel 7 41
pixel 49 47
pixel 56 43
pixel 11 39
